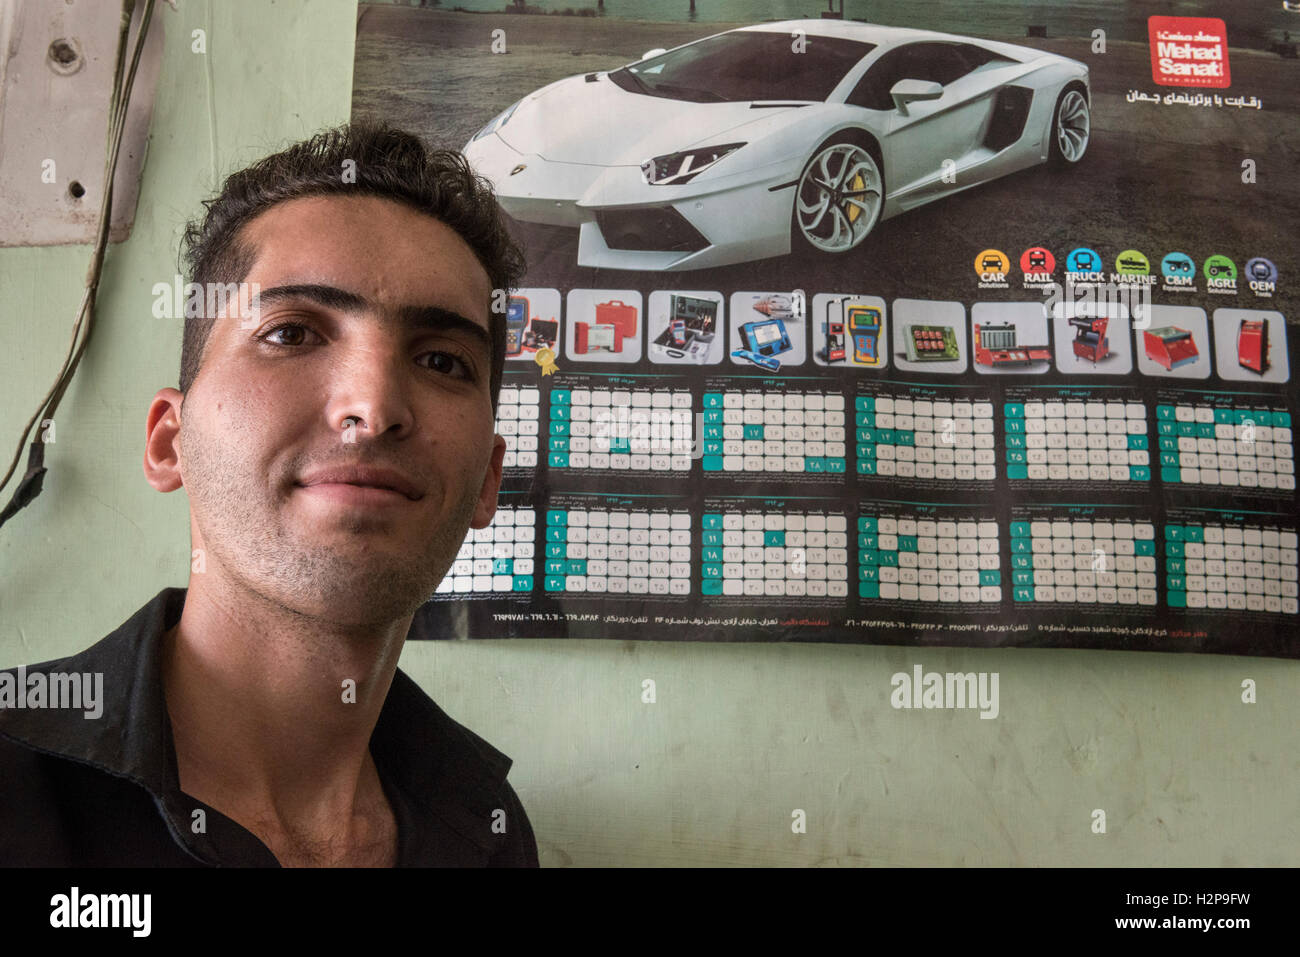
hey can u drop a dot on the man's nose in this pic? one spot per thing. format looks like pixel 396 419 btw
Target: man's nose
pixel 368 391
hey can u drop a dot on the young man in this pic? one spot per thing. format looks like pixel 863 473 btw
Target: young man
pixel 335 437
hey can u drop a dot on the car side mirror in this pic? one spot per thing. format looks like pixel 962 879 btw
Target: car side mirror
pixel 908 91
pixel 657 51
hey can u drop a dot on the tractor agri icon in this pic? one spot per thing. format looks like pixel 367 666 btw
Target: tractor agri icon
pixel 1220 267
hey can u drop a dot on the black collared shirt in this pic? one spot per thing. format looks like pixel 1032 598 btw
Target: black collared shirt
pixel 106 791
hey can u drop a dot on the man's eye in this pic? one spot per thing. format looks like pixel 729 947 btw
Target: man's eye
pixel 449 364
pixel 288 334
pixel 296 334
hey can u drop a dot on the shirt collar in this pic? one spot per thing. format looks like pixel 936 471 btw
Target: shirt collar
pixel 440 765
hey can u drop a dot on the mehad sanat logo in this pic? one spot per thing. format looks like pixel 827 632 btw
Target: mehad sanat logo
pixel 1189 51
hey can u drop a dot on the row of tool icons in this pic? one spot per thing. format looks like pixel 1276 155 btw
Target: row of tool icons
pixel 769 330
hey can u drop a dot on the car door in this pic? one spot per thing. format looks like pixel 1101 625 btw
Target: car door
pixel 916 144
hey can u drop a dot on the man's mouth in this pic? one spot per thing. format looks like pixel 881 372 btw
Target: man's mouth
pixel 361 484
pixel 355 496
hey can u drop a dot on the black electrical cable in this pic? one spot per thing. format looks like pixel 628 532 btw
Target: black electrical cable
pixel 29 486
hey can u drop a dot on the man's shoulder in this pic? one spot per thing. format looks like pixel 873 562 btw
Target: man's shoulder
pixel 33 794
pixel 80 750
pixel 83 705
pixel 54 706
pixel 64 664
pixel 411 720
pixel 453 774
pixel 57 811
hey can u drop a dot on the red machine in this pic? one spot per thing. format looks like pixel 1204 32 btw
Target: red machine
pixel 617 313
pixel 597 337
pixel 1090 340
pixel 996 346
pixel 1252 345
pixel 1170 346
pixel 775 306
pixel 833 351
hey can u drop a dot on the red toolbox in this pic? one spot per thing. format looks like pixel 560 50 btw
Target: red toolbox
pixel 1252 345
pixel 617 313
pixel 591 337
pixel 1170 346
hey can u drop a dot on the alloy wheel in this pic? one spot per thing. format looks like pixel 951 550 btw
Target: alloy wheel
pixel 839 198
pixel 1073 126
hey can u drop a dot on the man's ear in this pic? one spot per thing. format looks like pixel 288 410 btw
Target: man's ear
pixel 162 443
pixel 487 500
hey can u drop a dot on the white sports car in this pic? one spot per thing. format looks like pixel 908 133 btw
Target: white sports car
pixel 798 134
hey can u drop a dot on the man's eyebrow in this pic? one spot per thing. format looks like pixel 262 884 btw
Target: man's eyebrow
pixel 437 319
pixel 433 318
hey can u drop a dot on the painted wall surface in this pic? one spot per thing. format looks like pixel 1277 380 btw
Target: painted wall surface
pixel 739 736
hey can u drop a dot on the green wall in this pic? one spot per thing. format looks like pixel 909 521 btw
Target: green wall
pixel 740 736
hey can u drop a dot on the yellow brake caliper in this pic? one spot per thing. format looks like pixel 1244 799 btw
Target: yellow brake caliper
pixel 854 209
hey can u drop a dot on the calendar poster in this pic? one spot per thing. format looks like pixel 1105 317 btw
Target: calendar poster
pixel 967 325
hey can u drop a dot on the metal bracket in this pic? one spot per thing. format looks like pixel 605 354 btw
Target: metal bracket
pixel 56 81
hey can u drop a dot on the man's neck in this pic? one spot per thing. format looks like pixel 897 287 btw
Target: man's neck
pixel 272 713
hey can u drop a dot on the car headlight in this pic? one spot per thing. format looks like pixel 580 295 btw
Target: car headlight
pixel 677 168
pixel 497 122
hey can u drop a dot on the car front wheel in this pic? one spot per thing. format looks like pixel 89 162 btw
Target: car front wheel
pixel 838 198
pixel 1071 128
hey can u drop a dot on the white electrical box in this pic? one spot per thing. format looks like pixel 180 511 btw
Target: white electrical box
pixel 57 59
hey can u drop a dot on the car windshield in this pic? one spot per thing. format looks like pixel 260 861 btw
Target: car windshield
pixel 746 65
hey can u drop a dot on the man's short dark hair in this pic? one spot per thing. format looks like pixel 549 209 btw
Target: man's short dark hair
pixel 384 162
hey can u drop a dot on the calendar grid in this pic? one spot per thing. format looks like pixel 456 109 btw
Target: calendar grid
pixel 1077 439
pixel 495 559
pixel 773 554
pixel 905 556
pixel 1225 444
pixel 1021 502
pixel 948 440
pixel 774 431
pixel 1231 566
pixel 1057 558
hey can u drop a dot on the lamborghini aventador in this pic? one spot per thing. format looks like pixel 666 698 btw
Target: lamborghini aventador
pixel 803 134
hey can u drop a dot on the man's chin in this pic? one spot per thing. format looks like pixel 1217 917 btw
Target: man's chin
pixel 375 596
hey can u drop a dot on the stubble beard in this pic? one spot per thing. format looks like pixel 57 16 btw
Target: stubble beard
pixel 341 568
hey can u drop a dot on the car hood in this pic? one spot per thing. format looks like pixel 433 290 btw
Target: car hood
pixel 598 123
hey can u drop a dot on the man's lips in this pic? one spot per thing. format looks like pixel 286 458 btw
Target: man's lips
pixel 355 496
pixel 362 479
